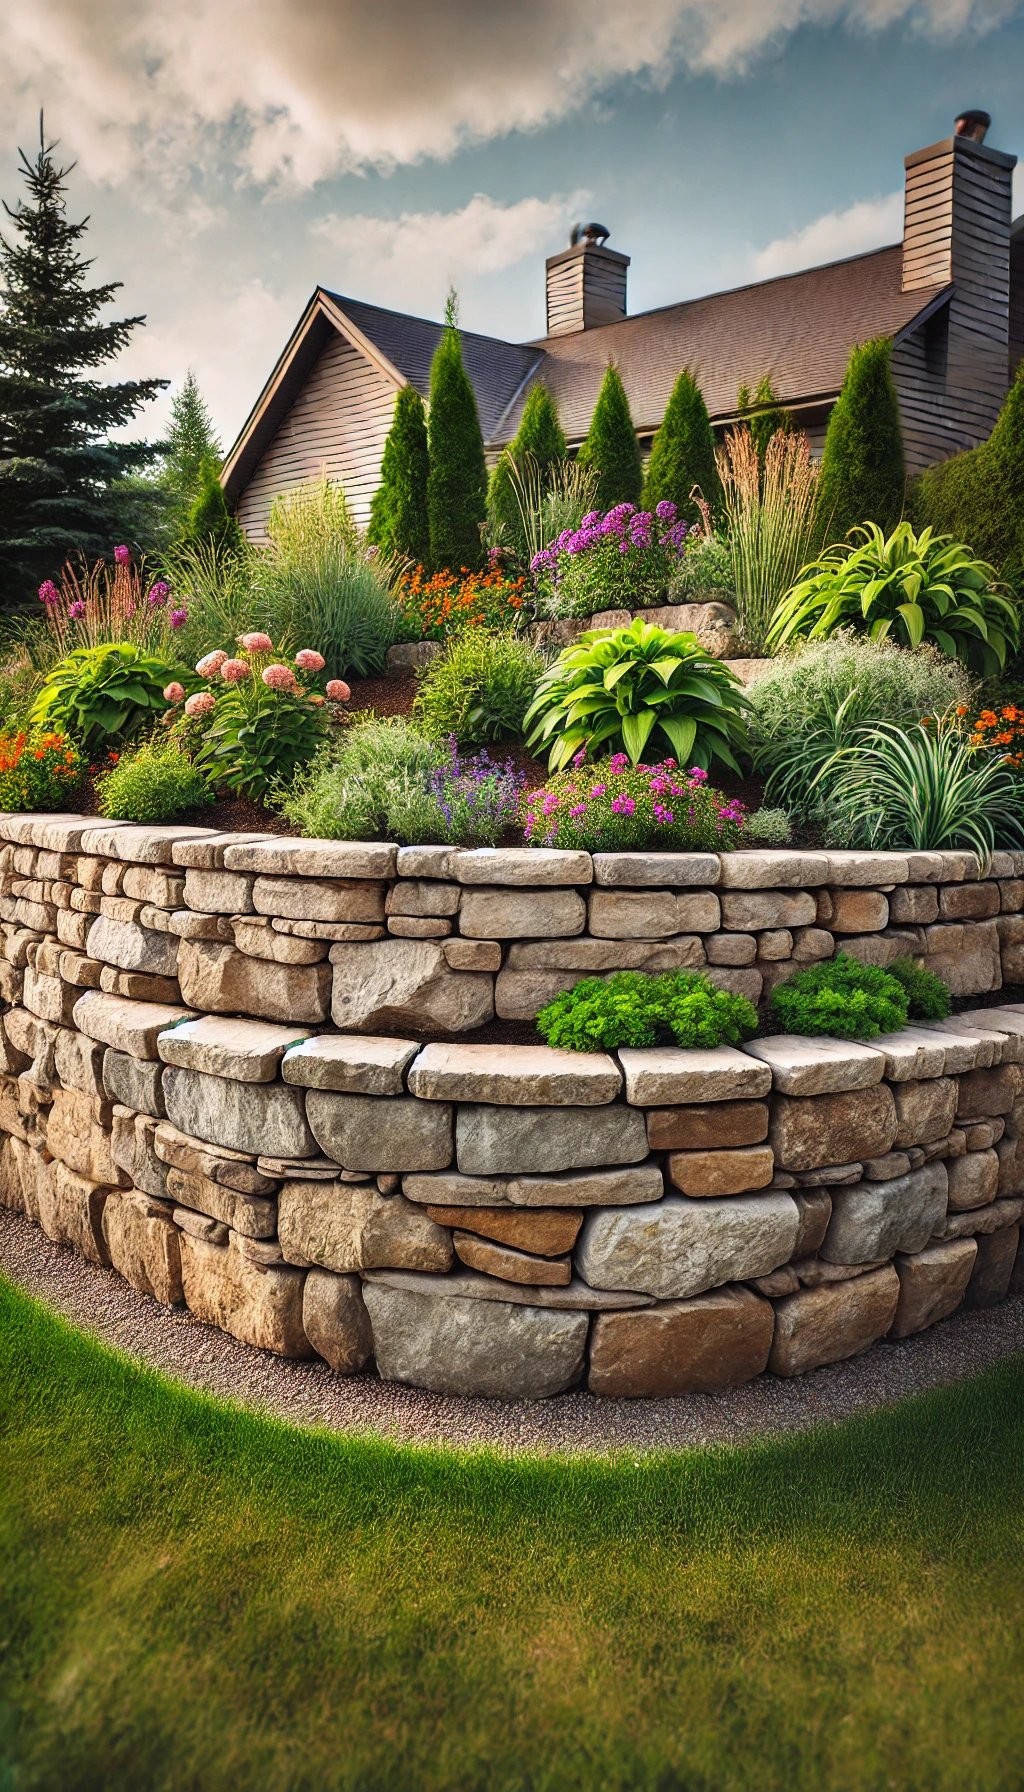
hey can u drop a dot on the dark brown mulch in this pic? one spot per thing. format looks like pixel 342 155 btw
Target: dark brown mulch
pixel 385 696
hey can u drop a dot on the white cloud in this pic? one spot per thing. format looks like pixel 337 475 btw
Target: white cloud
pixel 867 224
pixel 289 92
pixel 483 237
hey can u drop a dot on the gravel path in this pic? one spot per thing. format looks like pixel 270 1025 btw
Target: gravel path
pixel 309 1394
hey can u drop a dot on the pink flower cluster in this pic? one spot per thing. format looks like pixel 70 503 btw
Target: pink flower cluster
pixel 240 670
pixel 631 806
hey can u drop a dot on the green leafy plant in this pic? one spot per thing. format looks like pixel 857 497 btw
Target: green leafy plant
pixel 924 787
pixel 812 702
pixel 767 827
pixel 843 998
pixel 258 721
pixel 632 1008
pixel 703 570
pixel 479 688
pixel 862 468
pixel 928 998
pixel 916 587
pixel 611 447
pixel 104 693
pixel 626 688
pixel 153 782
pixel 39 769
pixel 387 781
pixel 612 806
pixel 318 579
pixel 768 504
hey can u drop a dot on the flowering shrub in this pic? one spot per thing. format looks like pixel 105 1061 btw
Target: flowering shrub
pixel 999 731
pixel 263 723
pixel 439 605
pixel 101 602
pixel 612 806
pixel 37 770
pixel 623 559
pixel 633 1008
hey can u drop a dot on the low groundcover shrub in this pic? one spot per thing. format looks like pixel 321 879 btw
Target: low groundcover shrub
pixel 479 688
pixel 612 806
pixel 849 1000
pixel 154 782
pixel 633 1008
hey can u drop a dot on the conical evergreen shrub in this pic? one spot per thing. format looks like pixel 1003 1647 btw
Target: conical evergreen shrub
pixel 863 477
pixel 978 496
pixel 611 447
pixel 399 522
pixel 209 518
pixel 763 413
pixel 538 437
pixel 683 453
pixel 457 476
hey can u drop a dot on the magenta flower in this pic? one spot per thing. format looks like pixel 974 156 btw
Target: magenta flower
pixel 624 805
pixel 123 555
pixel 76 610
pixel 48 593
pixel 178 618
pixel 158 594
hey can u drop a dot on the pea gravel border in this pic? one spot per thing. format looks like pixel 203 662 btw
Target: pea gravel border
pixel 307 1393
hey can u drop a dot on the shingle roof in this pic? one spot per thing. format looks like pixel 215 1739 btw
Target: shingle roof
pixel 498 370
pixel 798 328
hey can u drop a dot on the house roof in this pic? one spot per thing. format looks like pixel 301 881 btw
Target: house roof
pixel 798 328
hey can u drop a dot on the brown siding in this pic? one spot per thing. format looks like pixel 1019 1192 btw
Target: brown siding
pixel 338 423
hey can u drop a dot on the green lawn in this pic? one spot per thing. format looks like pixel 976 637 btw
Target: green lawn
pixel 196 1598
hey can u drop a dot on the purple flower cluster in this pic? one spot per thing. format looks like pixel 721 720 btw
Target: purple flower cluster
pixel 477 798
pixel 158 594
pixel 624 527
pixel 626 805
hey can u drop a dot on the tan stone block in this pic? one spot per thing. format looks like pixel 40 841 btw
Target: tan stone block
pixel 389 1133
pixel 914 902
pixel 348 1226
pixel 303 899
pixel 973 1180
pixel 828 1324
pixel 257 937
pixel 71 1211
pixel 984 1093
pixel 423 897
pixel 418 927
pixel 142 1241
pixel 651 914
pixel 472 955
pixel 692 1346
pixel 808 1132
pixel 814 1206
pixel 221 980
pixel 543 1231
pixel 336 1322
pixel 387 985
pixel 751 911
pixel 733 949
pixel 510 1265
pixel 259 1303
pixel 968 902
pixel 932 1284
pixel 79 1133
pixel 502 914
pixel 707 1126
pixel 925 1111
pixel 217 892
pixel 513 1075
pixel 722 1172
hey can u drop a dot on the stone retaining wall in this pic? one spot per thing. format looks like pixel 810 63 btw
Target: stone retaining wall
pixel 493 1219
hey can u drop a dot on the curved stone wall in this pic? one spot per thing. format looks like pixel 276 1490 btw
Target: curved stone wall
pixel 486 1218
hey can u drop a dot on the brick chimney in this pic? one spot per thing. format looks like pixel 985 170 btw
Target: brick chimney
pixel 956 231
pixel 586 283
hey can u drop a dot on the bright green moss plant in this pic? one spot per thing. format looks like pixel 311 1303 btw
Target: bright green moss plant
pixel 633 1008
pixel 843 998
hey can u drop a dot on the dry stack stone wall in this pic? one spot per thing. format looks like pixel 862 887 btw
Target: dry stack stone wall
pixel 219 1075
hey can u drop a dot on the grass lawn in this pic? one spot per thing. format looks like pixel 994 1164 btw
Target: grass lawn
pixel 196 1598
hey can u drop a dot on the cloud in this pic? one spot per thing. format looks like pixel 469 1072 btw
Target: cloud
pixel 867 224
pixel 392 255
pixel 290 92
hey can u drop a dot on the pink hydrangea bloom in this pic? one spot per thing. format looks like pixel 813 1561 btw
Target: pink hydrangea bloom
pixel 235 671
pixel 174 693
pixel 279 678
pixel 256 643
pixel 211 663
pixel 337 690
pixel 308 660
pixel 123 555
pixel 200 704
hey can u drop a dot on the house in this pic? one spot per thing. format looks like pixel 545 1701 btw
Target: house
pixel 950 295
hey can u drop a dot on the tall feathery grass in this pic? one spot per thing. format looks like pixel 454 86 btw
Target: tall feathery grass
pixel 550 498
pixel 769 509
pixel 215 583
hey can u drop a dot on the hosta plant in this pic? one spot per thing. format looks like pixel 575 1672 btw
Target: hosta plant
pixel 104 693
pixel 924 787
pixel 911 587
pixel 642 691
pixel 258 719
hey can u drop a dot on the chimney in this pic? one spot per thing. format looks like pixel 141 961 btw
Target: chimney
pixel 956 231
pixel 586 283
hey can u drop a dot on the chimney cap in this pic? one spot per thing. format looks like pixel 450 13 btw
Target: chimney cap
pixel 972 124
pixel 593 235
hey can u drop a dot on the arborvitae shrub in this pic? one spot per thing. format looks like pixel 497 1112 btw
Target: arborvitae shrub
pixel 683 453
pixel 209 518
pixel 863 477
pixel 539 437
pixel 763 413
pixel 978 496
pixel 611 447
pixel 457 477
pixel 398 514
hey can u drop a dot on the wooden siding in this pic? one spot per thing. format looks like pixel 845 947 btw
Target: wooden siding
pixel 586 286
pixel 338 423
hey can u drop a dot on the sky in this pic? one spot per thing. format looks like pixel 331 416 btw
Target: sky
pixel 234 154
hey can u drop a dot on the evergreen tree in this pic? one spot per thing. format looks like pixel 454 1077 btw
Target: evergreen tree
pixel 457 476
pixel 191 440
pixel 683 453
pixel 398 514
pixel 611 446
pixel 538 437
pixel 763 413
pixel 863 476
pixel 59 469
pixel 978 495
pixel 209 518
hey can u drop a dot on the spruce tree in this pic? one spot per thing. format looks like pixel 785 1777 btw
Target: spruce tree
pixel 683 453
pixel 611 447
pixel 191 440
pixel 763 413
pixel 58 467
pixel 209 518
pixel 398 514
pixel 457 476
pixel 863 476
pixel 538 440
